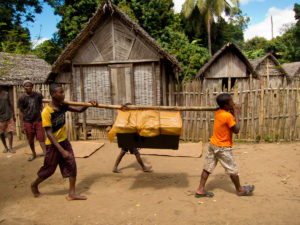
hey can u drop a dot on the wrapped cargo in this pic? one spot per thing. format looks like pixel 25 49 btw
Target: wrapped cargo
pixel 147 129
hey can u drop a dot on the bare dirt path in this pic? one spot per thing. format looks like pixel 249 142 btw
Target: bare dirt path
pixel 162 197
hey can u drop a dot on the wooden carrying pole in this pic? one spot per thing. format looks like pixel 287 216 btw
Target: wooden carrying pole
pixel 141 107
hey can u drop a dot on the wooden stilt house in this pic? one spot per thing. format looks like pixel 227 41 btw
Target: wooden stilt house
pixel 270 71
pixel 14 69
pixel 227 67
pixel 114 61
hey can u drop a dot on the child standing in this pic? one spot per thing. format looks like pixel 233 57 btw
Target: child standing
pixel 31 105
pixel 58 149
pixel 220 147
pixel 133 151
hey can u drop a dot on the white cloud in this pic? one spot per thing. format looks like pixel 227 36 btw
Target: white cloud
pixel 263 29
pixel 37 42
pixel 178 5
pixel 245 2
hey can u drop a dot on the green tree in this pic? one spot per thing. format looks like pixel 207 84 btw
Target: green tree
pixel 209 9
pixel 49 50
pixel 13 36
pixel 297 32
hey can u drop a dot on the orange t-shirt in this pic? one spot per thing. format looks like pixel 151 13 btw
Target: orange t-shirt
pixel 222 134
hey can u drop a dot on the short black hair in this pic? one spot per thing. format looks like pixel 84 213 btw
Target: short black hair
pixel 223 99
pixel 53 86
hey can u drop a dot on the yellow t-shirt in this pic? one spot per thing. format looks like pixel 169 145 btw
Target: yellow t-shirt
pixel 57 120
pixel 222 134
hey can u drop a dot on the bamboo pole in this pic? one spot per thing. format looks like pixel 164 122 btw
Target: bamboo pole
pixel 139 107
pixel 84 125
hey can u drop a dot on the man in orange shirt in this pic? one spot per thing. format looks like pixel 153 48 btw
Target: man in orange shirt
pixel 220 147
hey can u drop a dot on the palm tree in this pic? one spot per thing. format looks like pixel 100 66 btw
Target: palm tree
pixel 210 9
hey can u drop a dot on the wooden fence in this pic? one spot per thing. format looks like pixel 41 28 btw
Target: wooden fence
pixel 266 114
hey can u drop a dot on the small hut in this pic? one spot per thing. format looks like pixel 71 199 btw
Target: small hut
pixel 114 61
pixel 15 68
pixel 269 71
pixel 227 67
pixel 293 69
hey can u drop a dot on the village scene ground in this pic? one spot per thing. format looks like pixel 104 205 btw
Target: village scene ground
pixel 150 55
pixel 165 196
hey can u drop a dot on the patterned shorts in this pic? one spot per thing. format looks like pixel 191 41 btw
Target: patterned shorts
pixel 34 129
pixel 53 158
pixel 222 154
pixel 7 126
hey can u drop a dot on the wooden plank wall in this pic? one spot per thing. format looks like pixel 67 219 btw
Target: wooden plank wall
pixel 267 114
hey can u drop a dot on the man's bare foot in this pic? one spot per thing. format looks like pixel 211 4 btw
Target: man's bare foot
pixel 32 157
pixel 11 150
pixel 115 170
pixel 147 168
pixel 76 197
pixel 5 150
pixel 35 191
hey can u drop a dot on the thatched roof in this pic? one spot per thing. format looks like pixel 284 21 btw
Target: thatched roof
pixel 14 68
pixel 227 47
pixel 293 69
pixel 256 62
pixel 109 7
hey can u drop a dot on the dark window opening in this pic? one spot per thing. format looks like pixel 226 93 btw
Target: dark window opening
pixel 225 83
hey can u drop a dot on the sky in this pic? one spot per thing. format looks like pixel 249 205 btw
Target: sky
pixel 259 11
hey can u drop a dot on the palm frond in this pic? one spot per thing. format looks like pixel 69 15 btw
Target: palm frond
pixel 188 7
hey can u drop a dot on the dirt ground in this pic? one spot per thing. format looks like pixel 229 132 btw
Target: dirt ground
pixel 162 197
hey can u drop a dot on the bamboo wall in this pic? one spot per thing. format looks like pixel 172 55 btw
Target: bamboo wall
pixel 267 114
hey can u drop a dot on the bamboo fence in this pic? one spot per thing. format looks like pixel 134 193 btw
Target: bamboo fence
pixel 267 114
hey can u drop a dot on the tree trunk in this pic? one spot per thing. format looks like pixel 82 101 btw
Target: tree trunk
pixel 208 36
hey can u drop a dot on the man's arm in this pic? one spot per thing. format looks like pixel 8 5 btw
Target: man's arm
pixel 53 140
pixel 236 113
pixel 83 108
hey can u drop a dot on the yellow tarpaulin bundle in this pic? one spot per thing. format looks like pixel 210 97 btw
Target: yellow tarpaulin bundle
pixel 147 123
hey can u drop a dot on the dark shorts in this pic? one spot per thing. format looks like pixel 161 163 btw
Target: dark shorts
pixel 7 126
pixel 34 129
pixel 133 151
pixel 53 158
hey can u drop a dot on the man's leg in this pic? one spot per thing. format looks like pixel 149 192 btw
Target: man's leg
pixel 227 160
pixel 29 130
pixel 10 141
pixel 35 188
pixel 43 146
pixel 140 161
pixel 203 179
pixel 72 195
pixel 240 190
pixel 4 143
pixel 40 135
pixel 118 160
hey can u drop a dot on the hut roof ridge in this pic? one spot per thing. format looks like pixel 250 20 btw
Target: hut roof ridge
pixel 91 25
pixel 220 52
pixel 292 68
pixel 256 62
pixel 14 68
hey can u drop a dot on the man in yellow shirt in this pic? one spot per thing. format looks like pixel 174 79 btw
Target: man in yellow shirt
pixel 58 149
pixel 220 147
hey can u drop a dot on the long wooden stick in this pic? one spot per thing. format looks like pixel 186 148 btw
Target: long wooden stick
pixel 140 107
